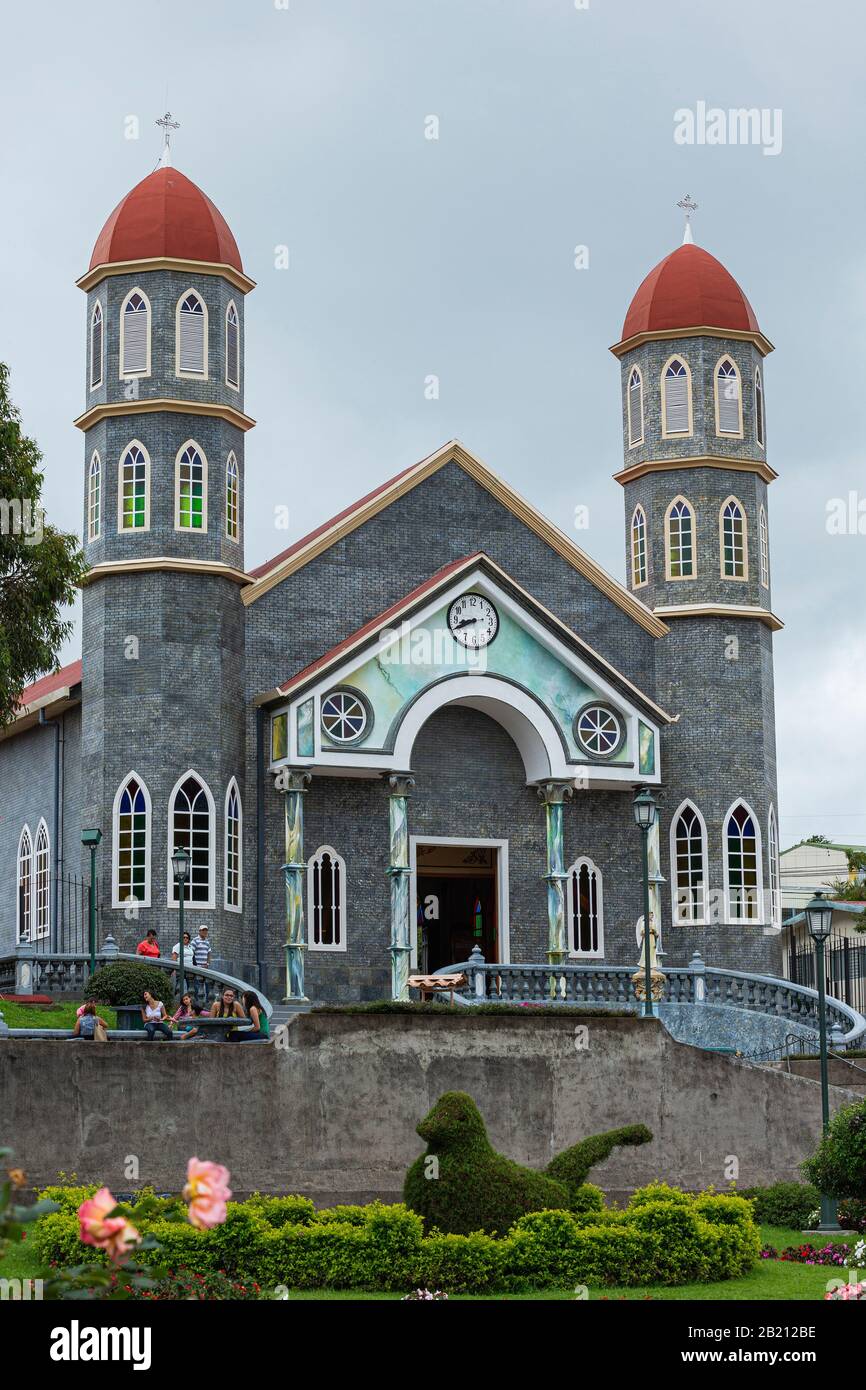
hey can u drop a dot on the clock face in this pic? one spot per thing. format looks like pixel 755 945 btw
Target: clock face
pixel 473 620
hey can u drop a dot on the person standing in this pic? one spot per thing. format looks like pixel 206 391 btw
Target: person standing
pixel 149 946
pixel 201 948
pixel 188 953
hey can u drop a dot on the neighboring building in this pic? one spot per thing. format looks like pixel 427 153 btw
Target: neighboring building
pixel 456 701
pixel 809 866
pixel 806 868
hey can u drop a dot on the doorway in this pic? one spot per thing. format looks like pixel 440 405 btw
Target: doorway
pixel 459 899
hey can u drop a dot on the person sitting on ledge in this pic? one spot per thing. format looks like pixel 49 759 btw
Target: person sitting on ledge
pixel 88 1024
pixel 154 1017
pixel 228 1006
pixel 258 1018
pixel 149 946
pixel 183 1018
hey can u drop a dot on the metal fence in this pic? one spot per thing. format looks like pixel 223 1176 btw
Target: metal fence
pixel 68 918
pixel 845 966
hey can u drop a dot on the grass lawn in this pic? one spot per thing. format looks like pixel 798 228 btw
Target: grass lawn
pixel 48 1016
pixel 769 1281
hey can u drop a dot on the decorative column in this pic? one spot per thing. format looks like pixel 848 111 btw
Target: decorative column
pixel 400 783
pixel 294 784
pixel 656 879
pixel 553 794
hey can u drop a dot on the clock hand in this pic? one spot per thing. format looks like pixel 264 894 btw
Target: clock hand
pixel 467 622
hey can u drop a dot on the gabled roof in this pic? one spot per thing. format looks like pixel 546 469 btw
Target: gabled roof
pixel 267 576
pixel 59 688
pixel 412 600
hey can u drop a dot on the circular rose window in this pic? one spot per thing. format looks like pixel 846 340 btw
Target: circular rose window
pixel 599 730
pixel 345 716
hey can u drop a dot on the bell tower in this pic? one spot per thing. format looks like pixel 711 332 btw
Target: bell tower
pixel 695 477
pixel 163 630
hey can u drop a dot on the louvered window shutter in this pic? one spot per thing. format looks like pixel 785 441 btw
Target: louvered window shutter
pixel 191 342
pixel 135 341
pixel 635 423
pixel 729 403
pixel 676 404
pixel 96 351
pixel 232 351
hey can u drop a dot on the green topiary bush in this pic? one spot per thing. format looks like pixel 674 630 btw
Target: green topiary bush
pixel 838 1166
pixel 124 981
pixel 784 1203
pixel 573 1165
pixel 657 1192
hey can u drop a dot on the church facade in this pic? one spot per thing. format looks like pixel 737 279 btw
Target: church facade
pixel 420 728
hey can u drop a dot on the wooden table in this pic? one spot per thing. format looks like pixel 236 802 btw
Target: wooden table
pixel 436 984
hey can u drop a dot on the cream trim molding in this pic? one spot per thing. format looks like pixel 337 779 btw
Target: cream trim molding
pixel 638 470
pixel 741 335
pixel 164 562
pixel 148 407
pixel 719 610
pixel 228 272
pixel 453 452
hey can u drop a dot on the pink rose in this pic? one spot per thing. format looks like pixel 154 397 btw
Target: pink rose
pixel 207 1192
pixel 113 1234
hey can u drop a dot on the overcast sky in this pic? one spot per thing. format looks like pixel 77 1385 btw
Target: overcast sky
pixel 455 257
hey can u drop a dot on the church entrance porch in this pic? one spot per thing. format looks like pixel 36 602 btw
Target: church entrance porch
pixel 460 900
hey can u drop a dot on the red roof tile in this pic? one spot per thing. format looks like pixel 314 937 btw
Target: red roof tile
pixel 166 215
pixel 689 289
pixel 46 685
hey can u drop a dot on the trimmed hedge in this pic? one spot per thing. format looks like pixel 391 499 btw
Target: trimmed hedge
pixel 124 982
pixel 663 1237
pixel 784 1204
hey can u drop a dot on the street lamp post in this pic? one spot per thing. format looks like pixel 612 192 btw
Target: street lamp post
pixel 91 839
pixel 819 917
pixel 180 867
pixel 645 814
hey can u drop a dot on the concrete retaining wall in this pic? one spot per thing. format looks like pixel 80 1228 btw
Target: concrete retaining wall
pixel 333 1113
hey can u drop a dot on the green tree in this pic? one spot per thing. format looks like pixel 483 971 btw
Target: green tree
pixel 40 567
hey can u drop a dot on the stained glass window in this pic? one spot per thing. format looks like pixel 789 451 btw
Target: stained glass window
pixel 680 539
pixel 190 490
pixel 25 875
pixel 743 866
pixel 232 498
pixel 344 716
pixel 191 829
pixel 688 852
pixel 42 882
pixel 94 498
pixel 133 489
pixel 598 730
pixel 733 540
pixel 132 843
pixel 638 548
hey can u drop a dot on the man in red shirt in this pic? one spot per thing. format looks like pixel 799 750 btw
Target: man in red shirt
pixel 149 946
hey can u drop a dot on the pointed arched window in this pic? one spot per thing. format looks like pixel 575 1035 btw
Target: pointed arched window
pixel 130 880
pixel 759 408
pixel 96 341
pixel 135 335
pixel 775 874
pixel 25 885
pixel 133 489
pixel 688 865
pixel 41 910
pixel 680 539
pixel 191 335
pixel 729 398
pixel 234 848
pixel 326 900
pixel 733 541
pixel 765 548
pixel 94 498
pixel 585 910
pixel 742 862
pixel 638 548
pixel 191 827
pixel 676 398
pixel 635 408
pixel 232 498
pixel 190 510
pixel 233 353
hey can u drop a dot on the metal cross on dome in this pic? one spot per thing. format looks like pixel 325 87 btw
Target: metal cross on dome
pixel 688 207
pixel 167 125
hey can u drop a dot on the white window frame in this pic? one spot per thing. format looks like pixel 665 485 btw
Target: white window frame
pixel 232 307
pixel 764 547
pixel 730 919
pixel 738 432
pixel 39 932
pixel 24 934
pixel 116 900
pixel 636 581
pixel 684 501
pixel 188 905
pixel 190 530
pixel 130 376
pixel 335 859
pixel 676 918
pixel 94 510
pixel 133 530
pixel 774 864
pixel 677 434
pixel 760 422
pixel 735 578
pixel 227 904
pixel 573 871
pixel 236 476
pixel 178 370
pixel 97 316
pixel 634 439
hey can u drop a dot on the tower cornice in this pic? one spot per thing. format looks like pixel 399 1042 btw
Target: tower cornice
pixel 764 346
pixel 667 611
pixel 108 268
pixel 149 407
pixel 667 465
pixel 150 563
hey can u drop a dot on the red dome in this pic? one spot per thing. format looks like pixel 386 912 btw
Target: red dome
pixel 689 289
pixel 166 215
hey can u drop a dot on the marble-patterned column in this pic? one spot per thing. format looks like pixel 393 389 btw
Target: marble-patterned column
pixel 294 784
pixel 553 794
pixel 400 784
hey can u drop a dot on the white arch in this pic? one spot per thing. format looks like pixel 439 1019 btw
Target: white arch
pixel 133 444
pixel 40 900
pixel 23 931
pixel 717 378
pixel 196 447
pixel 135 371
pixel 232 322
pixel 97 359
pixel 339 861
pixel 523 718
pixel 675 915
pixel 116 900
pixel 199 373
pixel 573 872
pixel 191 772
pixel 775 868
pixel 230 906
pixel 759 866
